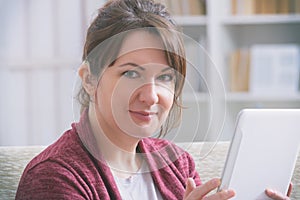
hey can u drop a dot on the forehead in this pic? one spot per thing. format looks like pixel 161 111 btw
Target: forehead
pixel 143 47
pixel 140 40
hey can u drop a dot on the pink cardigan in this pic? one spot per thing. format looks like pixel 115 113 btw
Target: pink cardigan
pixel 67 170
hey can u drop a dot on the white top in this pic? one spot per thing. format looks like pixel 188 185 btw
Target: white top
pixel 138 186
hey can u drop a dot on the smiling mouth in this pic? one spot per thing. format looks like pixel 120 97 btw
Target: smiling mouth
pixel 142 115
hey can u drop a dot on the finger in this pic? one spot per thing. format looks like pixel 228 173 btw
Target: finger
pixel 190 186
pixel 275 195
pixel 289 192
pixel 201 191
pixel 222 195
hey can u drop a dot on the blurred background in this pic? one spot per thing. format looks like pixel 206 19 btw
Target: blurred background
pixel 254 45
pixel 40 50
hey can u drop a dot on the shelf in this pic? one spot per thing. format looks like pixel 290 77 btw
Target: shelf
pixel 243 97
pixel 40 64
pixel 261 19
pixel 196 20
pixel 248 97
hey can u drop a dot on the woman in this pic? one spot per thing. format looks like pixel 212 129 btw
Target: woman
pixel 132 77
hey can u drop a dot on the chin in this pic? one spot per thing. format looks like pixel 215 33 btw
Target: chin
pixel 145 133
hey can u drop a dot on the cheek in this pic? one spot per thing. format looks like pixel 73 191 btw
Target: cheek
pixel 103 103
pixel 168 102
pixel 105 92
pixel 166 99
pixel 122 94
pixel 124 87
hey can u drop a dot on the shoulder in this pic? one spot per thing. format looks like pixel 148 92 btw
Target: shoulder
pixel 66 147
pixel 66 156
pixel 58 169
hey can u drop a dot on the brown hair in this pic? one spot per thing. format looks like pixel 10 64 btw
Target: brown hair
pixel 121 16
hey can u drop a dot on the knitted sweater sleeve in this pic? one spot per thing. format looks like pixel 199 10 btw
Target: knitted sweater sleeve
pixel 51 180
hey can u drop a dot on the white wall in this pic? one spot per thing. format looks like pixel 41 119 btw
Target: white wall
pixel 40 50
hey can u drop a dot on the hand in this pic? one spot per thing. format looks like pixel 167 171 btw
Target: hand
pixel 199 193
pixel 277 195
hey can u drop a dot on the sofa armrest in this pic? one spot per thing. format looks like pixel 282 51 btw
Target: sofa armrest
pixel 13 160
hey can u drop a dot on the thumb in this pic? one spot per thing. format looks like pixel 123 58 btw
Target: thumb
pixel 190 186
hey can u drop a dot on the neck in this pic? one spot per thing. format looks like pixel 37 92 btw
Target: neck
pixel 117 148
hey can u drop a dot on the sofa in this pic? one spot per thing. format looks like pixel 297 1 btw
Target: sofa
pixel 209 159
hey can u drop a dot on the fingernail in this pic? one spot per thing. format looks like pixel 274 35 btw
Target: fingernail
pixel 229 192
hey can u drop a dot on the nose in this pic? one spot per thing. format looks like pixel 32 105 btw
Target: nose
pixel 148 94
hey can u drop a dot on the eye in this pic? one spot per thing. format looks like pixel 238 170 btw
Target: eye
pixel 131 74
pixel 166 77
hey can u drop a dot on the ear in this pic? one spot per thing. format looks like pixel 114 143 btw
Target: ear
pixel 87 78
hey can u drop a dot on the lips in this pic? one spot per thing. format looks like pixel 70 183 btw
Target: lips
pixel 144 116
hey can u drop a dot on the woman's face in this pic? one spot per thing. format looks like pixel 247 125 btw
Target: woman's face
pixel 135 95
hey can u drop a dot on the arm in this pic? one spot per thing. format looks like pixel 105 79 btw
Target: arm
pixel 50 180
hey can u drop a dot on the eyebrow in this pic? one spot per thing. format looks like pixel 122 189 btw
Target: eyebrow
pixel 142 68
pixel 133 65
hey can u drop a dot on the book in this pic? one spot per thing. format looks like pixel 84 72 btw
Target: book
pixel 258 6
pixel 268 7
pixel 193 70
pixel 234 7
pixel 238 7
pixel 239 64
pixel 185 7
pixel 250 7
pixel 274 68
pixel 196 7
pixel 246 7
pixel 297 6
pixel 283 6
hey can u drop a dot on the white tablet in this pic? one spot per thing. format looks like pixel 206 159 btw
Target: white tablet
pixel 263 152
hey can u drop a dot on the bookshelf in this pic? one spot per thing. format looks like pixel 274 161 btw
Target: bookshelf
pixel 236 97
pixel 261 19
pixel 191 20
pixel 224 32
pixel 49 58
